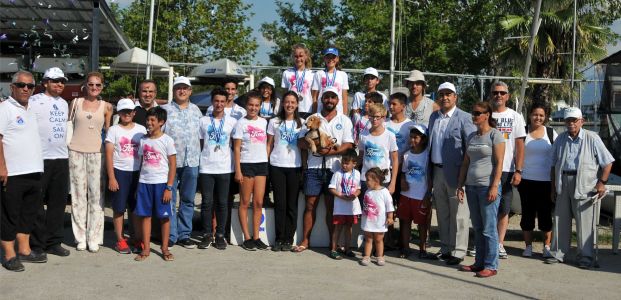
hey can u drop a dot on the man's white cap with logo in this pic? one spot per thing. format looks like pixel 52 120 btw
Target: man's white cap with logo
pixel 330 89
pixel 267 80
pixel 420 128
pixel 54 73
pixel 415 75
pixel 572 112
pixel 370 71
pixel 125 104
pixel 182 80
pixel 447 86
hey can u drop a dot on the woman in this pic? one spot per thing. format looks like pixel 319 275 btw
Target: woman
pixel 285 169
pixel 535 186
pixel 300 78
pixel 480 172
pixel 270 104
pixel 90 116
pixel 331 76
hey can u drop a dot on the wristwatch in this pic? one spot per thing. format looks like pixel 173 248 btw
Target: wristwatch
pixel 602 181
pixel 519 171
pixel 169 187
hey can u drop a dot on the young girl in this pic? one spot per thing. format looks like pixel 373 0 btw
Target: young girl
pixel 250 148
pixel 300 78
pixel 377 215
pixel 415 200
pixel 330 76
pixel 345 186
pixel 270 104
pixel 123 168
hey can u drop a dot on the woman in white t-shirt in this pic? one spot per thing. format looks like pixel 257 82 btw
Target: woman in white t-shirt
pixel 285 169
pixel 216 167
pixel 250 149
pixel 331 77
pixel 300 78
pixel 377 215
pixel 535 187
pixel 270 104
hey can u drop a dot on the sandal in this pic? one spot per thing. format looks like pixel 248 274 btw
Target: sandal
pixel 141 257
pixel 167 256
pixel 381 261
pixel 298 249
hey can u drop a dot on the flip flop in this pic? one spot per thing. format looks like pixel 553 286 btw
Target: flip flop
pixel 141 257
pixel 167 256
pixel 298 249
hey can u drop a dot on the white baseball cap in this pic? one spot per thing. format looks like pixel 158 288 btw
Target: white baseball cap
pixel 420 128
pixel 125 104
pixel 182 80
pixel 267 80
pixel 54 73
pixel 415 75
pixel 447 86
pixel 330 89
pixel 370 71
pixel 572 112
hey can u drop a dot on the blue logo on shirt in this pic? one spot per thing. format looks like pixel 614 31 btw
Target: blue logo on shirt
pixel 339 126
pixel 20 121
pixel 214 139
pixel 415 172
pixel 373 152
pixel 400 140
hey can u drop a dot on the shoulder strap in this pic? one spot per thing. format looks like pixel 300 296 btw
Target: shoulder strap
pixel 550 133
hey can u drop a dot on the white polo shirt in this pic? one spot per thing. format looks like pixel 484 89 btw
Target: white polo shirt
pixel 51 115
pixel 340 128
pixel 20 138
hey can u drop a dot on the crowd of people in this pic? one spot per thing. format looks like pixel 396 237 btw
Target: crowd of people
pixel 389 157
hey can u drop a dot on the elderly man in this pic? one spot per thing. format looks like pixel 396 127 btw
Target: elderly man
pixel 147 94
pixel 183 126
pixel 51 112
pixel 419 107
pixel 449 127
pixel 581 166
pixel 21 165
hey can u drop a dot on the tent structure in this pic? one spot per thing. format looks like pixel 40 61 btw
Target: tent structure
pixel 217 71
pixel 68 65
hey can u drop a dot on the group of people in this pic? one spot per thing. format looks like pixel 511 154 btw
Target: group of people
pixel 390 157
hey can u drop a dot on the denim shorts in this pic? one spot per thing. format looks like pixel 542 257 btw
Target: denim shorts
pixel 506 196
pixel 316 181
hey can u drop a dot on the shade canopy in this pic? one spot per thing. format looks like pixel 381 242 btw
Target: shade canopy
pixel 218 71
pixel 135 60
pixel 9 64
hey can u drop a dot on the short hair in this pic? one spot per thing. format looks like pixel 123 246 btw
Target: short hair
pixel 148 81
pixel 401 97
pixel 219 92
pixel 20 73
pixel 253 95
pixel 377 108
pixel 95 74
pixel 348 156
pixel 159 113
pixel 377 173
pixel 375 97
pixel 230 80
pixel 499 83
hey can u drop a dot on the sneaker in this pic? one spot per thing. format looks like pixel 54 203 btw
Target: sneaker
pixel 205 243
pixel 502 253
pixel 472 252
pixel 277 246
pixel 365 261
pixel 546 252
pixel 260 245
pixel 286 247
pixel 57 250
pixel 81 247
pixel 122 247
pixel 551 261
pixel 528 251
pixel 93 249
pixel 14 265
pixel 220 243
pixel 187 243
pixel 249 245
pixel 381 261
pixel 336 255
pixel 33 257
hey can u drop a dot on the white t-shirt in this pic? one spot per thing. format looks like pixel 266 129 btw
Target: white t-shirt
pixel 339 80
pixel 376 151
pixel 20 138
pixel 377 203
pixel 341 181
pixel 511 125
pixel 51 113
pixel 538 157
pixel 126 144
pixel 340 128
pixel 362 126
pixel 285 153
pixel 236 112
pixel 217 153
pixel 267 110
pixel 293 80
pixel 415 168
pixel 402 133
pixel 359 101
pixel 154 154
pixel 254 139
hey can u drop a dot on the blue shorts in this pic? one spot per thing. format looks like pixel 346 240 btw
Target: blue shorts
pixel 316 181
pixel 126 195
pixel 149 201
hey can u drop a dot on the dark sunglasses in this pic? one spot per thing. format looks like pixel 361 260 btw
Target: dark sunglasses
pixel 477 113
pixel 57 81
pixel 95 84
pixel 21 85
pixel 496 93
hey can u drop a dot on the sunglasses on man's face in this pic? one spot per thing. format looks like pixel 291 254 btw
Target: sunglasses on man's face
pixel 21 85
pixel 501 93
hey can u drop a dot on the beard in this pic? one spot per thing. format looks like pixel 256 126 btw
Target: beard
pixel 329 106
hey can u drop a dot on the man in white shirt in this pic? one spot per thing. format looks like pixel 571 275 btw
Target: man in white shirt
pixel 51 112
pixel 21 165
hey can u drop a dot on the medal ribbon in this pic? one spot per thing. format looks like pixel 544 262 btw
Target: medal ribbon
pixel 217 131
pixel 299 82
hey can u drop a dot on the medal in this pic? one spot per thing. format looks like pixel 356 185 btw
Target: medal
pixel 288 136
pixel 217 132
pixel 346 183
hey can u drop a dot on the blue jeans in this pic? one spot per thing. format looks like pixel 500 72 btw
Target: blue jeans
pixel 181 221
pixel 484 216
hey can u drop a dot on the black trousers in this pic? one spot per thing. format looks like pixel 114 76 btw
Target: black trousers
pixel 536 203
pixel 286 188
pixel 214 192
pixel 20 199
pixel 48 229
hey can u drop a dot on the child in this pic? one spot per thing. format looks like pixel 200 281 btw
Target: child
pixel 250 149
pixel 345 186
pixel 270 104
pixel 415 200
pixel 399 124
pixel 328 77
pixel 371 81
pixel 364 124
pixel 155 183
pixel 123 168
pixel 377 215
pixel 300 78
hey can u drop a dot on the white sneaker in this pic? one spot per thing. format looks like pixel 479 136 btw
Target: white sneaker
pixel 93 249
pixel 528 251
pixel 472 252
pixel 502 253
pixel 81 247
pixel 546 252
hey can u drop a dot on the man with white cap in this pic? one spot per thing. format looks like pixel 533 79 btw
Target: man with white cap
pixel 371 80
pixel 581 166
pixel 183 126
pixel 449 128
pixel 419 107
pixel 51 111
pixel 321 167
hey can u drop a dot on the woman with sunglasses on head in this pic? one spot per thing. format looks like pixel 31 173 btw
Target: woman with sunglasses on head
pixel 299 78
pixel 90 115
pixel 480 173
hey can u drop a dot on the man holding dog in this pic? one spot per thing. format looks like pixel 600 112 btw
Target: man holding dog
pixel 322 165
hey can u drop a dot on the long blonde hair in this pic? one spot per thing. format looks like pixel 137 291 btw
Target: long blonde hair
pixel 308 63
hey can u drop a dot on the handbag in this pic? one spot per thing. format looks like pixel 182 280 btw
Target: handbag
pixel 69 129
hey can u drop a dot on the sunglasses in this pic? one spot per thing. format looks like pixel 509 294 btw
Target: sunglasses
pixel 95 84
pixel 501 93
pixel 57 81
pixel 477 113
pixel 21 85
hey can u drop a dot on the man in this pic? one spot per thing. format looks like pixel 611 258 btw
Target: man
pixel 21 165
pixel 419 107
pixel 449 128
pixel 51 112
pixel 512 126
pixel 581 166
pixel 146 98
pixel 183 126
pixel 320 168
pixel 232 109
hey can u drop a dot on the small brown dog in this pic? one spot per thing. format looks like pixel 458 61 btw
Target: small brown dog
pixel 317 138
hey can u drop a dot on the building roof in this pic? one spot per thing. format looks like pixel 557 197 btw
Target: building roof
pixel 614 58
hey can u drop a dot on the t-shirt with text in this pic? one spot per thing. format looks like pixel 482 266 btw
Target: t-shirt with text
pixel 217 153
pixel 377 203
pixel 126 143
pixel 285 152
pixel 511 125
pixel 376 151
pixel 154 154
pixel 253 136
pixel 415 169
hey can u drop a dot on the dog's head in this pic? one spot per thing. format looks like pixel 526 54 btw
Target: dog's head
pixel 313 122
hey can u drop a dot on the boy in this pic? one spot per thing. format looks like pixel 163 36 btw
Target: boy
pixel 363 125
pixel 155 184
pixel 371 81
